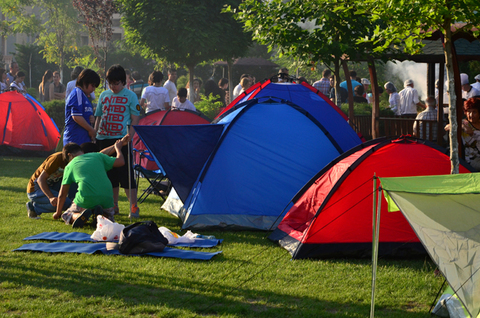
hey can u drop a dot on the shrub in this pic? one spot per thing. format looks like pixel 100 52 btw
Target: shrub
pixel 56 110
pixel 208 106
pixel 32 91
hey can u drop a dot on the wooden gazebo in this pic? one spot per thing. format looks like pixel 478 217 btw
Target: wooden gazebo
pixel 466 48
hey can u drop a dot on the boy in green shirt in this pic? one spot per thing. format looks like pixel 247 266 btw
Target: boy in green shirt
pixel 94 188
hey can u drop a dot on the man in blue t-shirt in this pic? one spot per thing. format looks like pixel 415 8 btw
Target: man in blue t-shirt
pixel 353 77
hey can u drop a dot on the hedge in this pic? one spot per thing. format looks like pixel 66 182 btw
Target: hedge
pixel 56 110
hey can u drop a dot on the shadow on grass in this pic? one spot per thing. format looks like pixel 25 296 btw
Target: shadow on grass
pixel 15 189
pixel 19 167
pixel 201 295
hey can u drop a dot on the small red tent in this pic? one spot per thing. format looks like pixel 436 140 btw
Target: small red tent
pixel 332 214
pixel 165 118
pixel 25 125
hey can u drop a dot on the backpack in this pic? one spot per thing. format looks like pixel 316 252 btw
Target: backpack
pixel 140 237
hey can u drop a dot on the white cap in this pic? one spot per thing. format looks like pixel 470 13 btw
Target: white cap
pixel 464 79
pixel 407 82
pixel 365 81
pixel 477 77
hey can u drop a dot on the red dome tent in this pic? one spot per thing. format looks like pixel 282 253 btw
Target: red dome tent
pixel 24 125
pixel 332 214
pixel 165 118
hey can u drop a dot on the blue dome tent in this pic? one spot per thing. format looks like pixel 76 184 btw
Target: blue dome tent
pixel 307 97
pixel 252 163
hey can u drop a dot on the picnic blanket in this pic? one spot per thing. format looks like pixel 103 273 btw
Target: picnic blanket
pixel 96 248
pixel 85 237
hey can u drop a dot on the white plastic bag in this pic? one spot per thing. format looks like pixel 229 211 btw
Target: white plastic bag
pixel 107 230
pixel 174 238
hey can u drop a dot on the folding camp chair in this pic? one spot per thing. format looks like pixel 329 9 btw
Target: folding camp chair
pixel 159 184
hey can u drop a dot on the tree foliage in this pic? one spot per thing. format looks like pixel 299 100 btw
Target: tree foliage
pixel 187 32
pixel 408 23
pixel 58 32
pixel 30 60
pixel 310 30
pixel 184 32
pixel 55 27
pixel 97 16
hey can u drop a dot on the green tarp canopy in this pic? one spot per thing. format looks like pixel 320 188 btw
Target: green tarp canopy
pixel 444 212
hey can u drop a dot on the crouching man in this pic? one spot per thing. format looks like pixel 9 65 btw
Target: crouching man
pixel 89 171
pixel 43 187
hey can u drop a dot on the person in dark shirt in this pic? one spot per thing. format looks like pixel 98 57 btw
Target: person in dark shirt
pixel 358 96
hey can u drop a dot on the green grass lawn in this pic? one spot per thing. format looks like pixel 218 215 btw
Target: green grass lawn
pixel 253 277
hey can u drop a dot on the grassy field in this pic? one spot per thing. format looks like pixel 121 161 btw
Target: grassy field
pixel 253 277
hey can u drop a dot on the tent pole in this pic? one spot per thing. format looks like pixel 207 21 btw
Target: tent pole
pixel 374 210
pixel 129 174
pixel 375 252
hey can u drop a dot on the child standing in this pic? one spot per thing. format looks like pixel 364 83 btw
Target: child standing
pixel 155 97
pixel 79 110
pixel 118 108
pixel 181 102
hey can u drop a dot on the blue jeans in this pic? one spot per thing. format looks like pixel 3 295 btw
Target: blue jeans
pixel 41 203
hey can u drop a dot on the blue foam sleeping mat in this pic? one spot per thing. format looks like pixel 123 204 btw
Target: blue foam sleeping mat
pixel 85 237
pixel 96 248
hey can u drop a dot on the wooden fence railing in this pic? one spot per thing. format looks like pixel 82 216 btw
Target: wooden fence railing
pixel 395 126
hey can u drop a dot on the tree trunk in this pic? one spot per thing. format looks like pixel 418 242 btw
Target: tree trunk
pixel 230 82
pixel 336 83
pixel 376 99
pixel 190 79
pixel 440 130
pixel 454 158
pixel 351 113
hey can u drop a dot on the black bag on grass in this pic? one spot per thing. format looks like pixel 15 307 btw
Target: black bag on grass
pixel 141 237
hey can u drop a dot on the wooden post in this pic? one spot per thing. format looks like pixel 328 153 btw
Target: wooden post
pixel 376 99
pixel 430 79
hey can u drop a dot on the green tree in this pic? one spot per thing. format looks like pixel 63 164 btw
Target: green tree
pixel 408 23
pixel 30 60
pixel 185 32
pixel 312 31
pixel 97 16
pixel 55 27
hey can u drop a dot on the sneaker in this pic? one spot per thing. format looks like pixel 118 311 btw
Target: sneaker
pixel 82 219
pixel 31 211
pixel 116 209
pixel 135 213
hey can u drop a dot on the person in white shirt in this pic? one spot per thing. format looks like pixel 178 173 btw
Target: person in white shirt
pixel 238 89
pixel 17 83
pixel 409 100
pixel 155 96
pixel 73 83
pixel 181 102
pixel 476 85
pixel 3 78
pixel 13 71
pixel 394 98
pixel 170 84
pixel 468 91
